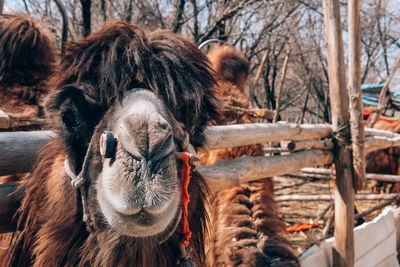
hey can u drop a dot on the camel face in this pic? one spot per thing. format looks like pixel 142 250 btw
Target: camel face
pixel 138 188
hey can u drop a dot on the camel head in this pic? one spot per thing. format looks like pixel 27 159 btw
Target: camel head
pixel 127 101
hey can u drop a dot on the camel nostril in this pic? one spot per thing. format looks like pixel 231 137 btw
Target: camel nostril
pixel 163 126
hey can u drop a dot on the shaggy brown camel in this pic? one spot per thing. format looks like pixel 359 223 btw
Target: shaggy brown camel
pixel 246 228
pixel 27 61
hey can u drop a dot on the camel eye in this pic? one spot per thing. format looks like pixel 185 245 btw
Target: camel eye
pixel 107 144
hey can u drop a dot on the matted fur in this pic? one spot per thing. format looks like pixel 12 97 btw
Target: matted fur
pixel 230 65
pixel 246 230
pixel 96 72
pixel 27 60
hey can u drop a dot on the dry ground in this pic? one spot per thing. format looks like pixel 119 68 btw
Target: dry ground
pixel 298 212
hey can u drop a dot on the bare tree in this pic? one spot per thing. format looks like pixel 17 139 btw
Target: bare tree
pixel 86 21
pixel 252 26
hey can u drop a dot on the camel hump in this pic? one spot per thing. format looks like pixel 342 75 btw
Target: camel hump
pixel 229 64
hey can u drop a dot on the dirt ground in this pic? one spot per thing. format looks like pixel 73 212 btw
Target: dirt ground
pixel 299 212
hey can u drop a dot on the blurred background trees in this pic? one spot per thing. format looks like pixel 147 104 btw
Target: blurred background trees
pixel 290 27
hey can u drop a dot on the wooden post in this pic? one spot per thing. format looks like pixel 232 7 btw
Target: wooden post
pixel 356 106
pixel 343 248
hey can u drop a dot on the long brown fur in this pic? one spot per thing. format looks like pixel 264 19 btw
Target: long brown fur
pixel 118 58
pixel 385 161
pixel 246 230
pixel 53 230
pixel 27 61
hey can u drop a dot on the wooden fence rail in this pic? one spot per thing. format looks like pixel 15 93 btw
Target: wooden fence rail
pixel 332 197
pixel 369 176
pixel 258 133
pixel 226 174
pixel 17 149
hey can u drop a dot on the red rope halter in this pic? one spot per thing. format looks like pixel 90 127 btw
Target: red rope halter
pixel 185 198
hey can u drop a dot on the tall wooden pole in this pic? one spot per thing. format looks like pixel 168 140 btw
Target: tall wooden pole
pixel 343 249
pixel 356 106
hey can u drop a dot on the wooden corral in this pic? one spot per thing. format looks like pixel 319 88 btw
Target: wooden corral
pixel 342 143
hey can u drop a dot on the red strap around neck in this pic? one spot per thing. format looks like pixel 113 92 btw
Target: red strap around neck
pixel 185 198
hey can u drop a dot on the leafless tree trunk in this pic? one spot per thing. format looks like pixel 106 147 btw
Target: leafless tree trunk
pixel 86 16
pixel 26 7
pixel 128 12
pixel 103 9
pixel 178 16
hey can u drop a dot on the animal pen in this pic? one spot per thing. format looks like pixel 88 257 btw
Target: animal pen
pixel 343 143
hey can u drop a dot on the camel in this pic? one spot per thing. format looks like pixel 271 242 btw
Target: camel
pixel 27 61
pixel 107 191
pixel 245 223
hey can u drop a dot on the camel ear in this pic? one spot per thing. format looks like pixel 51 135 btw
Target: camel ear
pixel 77 113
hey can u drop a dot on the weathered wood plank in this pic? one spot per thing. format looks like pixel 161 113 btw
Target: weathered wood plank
pixel 373 143
pixel 331 197
pixel 225 174
pixel 378 132
pixel 369 176
pixel 18 150
pixel 257 133
pixel 356 105
pixel 300 145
